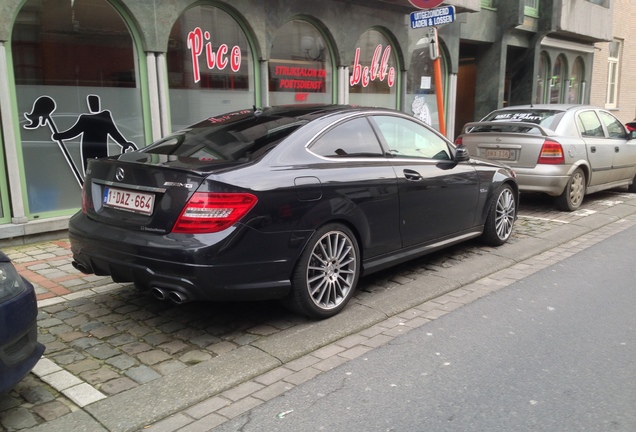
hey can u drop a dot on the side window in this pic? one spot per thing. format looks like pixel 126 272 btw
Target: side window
pixel 614 127
pixel 589 124
pixel 406 138
pixel 349 139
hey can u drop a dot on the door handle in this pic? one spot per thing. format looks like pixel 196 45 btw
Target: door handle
pixel 593 149
pixel 616 149
pixel 412 175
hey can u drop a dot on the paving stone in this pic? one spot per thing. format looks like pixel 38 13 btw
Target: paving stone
pixel 85 343
pixel 136 348
pixel 122 361
pixel 171 327
pixel 104 332
pixel 52 410
pixel 194 357
pixel 17 418
pixel 111 318
pixel 173 347
pixel 142 374
pixel 205 340
pixel 101 375
pixel 71 336
pixel 49 322
pixel 37 395
pixel 64 328
pixel 54 347
pixel 153 357
pixel 65 314
pixel 68 357
pixel 102 352
pixel 91 325
pixel 77 321
pixel 118 385
pixel 83 366
pixel 157 338
pixel 169 367
pixel 83 394
pixel 122 339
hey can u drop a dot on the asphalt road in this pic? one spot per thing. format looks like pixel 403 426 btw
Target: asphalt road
pixel 552 352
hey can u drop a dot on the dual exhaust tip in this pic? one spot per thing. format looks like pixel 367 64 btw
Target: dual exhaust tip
pixel 177 297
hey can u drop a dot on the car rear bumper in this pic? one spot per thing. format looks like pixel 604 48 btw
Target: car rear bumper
pixel 241 265
pixel 550 179
pixel 19 346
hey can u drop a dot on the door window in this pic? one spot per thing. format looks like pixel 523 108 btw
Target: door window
pixel 614 127
pixel 353 138
pixel 589 124
pixel 406 138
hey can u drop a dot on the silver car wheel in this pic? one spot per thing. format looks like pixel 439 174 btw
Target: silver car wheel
pixel 505 214
pixel 577 188
pixel 331 272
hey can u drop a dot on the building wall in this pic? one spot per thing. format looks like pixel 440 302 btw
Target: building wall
pixel 624 17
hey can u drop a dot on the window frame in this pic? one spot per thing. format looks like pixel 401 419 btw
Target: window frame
pixel 613 75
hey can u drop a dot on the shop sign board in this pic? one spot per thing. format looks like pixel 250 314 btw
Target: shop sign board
pixel 297 77
pixel 426 4
pixel 213 60
pixel 378 69
pixel 432 17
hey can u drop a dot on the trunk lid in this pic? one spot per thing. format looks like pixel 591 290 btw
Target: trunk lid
pixel 142 191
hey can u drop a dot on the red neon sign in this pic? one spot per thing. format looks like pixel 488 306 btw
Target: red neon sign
pixel 379 68
pixel 217 60
pixel 426 4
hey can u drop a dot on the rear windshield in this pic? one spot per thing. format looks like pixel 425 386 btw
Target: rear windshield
pixel 240 136
pixel 545 118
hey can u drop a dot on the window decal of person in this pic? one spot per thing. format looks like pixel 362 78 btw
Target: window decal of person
pixel 95 127
pixel 420 109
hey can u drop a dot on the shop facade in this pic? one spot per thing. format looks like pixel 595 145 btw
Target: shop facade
pixel 81 79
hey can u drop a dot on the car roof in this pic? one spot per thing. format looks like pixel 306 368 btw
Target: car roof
pixel 549 107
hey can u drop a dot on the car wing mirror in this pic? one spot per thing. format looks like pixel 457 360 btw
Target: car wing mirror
pixel 632 134
pixel 461 154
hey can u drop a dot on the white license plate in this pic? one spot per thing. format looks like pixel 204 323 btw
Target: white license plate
pixel 498 154
pixel 133 201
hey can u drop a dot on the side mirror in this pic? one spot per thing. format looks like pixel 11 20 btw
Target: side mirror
pixel 632 134
pixel 461 154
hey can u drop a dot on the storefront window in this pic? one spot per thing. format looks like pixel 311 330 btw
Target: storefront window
pixel 421 90
pixel 557 81
pixel 210 66
pixel 78 95
pixel 576 78
pixel 542 78
pixel 373 72
pixel 300 69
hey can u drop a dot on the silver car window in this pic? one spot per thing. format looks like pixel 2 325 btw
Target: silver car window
pixel 613 125
pixel 406 138
pixel 589 124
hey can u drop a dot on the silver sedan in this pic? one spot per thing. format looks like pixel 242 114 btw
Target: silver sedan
pixel 566 151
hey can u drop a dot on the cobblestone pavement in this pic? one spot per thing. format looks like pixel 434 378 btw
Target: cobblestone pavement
pixel 103 338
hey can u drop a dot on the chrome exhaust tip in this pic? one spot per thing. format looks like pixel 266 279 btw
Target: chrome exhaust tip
pixel 159 293
pixel 81 267
pixel 178 297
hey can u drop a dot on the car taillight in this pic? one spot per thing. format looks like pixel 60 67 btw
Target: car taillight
pixel 459 141
pixel 213 212
pixel 86 202
pixel 551 153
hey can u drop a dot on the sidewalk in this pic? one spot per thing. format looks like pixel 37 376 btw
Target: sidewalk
pixel 120 360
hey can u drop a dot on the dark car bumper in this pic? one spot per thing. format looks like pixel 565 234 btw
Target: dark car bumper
pixel 239 264
pixel 19 347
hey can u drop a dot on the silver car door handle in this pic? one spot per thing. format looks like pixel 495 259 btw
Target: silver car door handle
pixel 412 175
pixel 616 149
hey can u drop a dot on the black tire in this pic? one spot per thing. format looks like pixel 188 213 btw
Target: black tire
pixel 632 187
pixel 501 217
pixel 572 196
pixel 326 274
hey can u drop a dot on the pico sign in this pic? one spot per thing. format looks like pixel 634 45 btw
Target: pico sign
pixel 432 17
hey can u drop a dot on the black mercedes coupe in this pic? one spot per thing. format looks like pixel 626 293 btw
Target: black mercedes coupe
pixel 291 203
